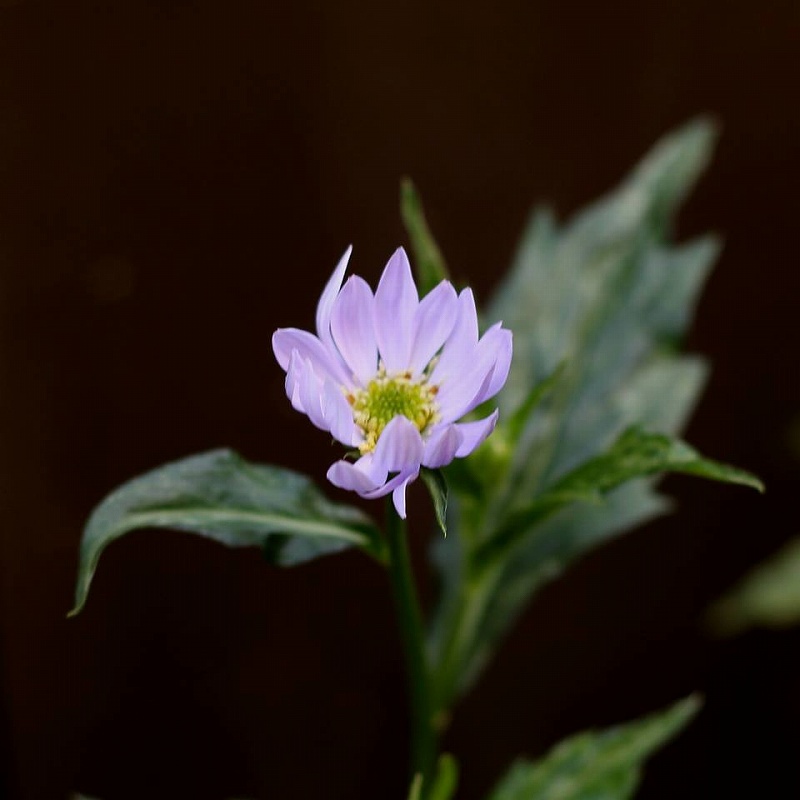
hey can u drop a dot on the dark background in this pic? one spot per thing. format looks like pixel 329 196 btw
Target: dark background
pixel 177 179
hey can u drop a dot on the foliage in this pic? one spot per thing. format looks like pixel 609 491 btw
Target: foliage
pixel 768 597
pixel 221 496
pixel 590 417
pixel 597 307
pixel 602 765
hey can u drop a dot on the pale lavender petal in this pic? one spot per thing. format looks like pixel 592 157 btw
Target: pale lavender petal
pixel 399 446
pixel 310 387
pixel 474 433
pixel 339 416
pixel 285 340
pixel 352 478
pixel 292 382
pixel 476 381
pixel 329 294
pixel 396 302
pixel 353 329
pixel 495 348
pixel 433 323
pixel 466 394
pixel 399 495
pixel 402 478
pixel 504 349
pixel 441 446
pixel 460 345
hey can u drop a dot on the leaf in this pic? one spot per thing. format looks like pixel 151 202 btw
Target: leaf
pixel 596 765
pixel 429 263
pixel 636 454
pixel 437 486
pixel 519 419
pixel 445 782
pixel 767 597
pixel 602 302
pixel 221 496
pixel 415 792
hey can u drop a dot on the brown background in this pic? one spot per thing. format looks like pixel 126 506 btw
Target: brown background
pixel 177 179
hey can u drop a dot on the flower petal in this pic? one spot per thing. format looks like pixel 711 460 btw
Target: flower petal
pixel 473 434
pixel 329 294
pixel 457 353
pixel 309 386
pixel 433 323
pixel 353 328
pixel 398 481
pixel 503 348
pixel 477 380
pixel 355 477
pixel 441 446
pixel 292 382
pixel 285 340
pixel 339 416
pixel 399 446
pixel 399 495
pixel 396 302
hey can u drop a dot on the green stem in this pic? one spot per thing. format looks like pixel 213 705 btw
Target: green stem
pixel 423 737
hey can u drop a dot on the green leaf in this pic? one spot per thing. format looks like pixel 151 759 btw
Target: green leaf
pixel 638 453
pixel 428 262
pixel 415 792
pixel 221 496
pixel 437 486
pixel 635 454
pixel 595 765
pixel 767 597
pixel 598 307
pixel 519 419
pixel 445 782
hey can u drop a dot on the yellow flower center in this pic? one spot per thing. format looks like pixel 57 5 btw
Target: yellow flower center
pixel 387 397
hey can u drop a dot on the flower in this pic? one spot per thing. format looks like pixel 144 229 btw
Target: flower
pixel 389 375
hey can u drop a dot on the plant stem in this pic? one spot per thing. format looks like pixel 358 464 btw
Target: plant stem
pixel 423 737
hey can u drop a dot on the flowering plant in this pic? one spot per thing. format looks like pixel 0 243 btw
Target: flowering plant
pixel 390 375
pixel 580 424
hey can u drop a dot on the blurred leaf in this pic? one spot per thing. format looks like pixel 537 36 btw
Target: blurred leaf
pixel 604 765
pixel 415 792
pixel 445 782
pixel 428 261
pixel 437 486
pixel 221 496
pixel 519 419
pixel 598 307
pixel 768 597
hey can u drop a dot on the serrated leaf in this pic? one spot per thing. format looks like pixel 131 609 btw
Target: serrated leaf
pixel 437 486
pixel 639 453
pixel 768 597
pixel 222 497
pixel 636 454
pixel 609 296
pixel 428 260
pixel 596 765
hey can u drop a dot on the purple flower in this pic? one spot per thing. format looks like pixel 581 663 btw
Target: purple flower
pixel 389 375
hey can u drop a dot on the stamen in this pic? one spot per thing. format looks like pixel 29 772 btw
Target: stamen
pixel 387 397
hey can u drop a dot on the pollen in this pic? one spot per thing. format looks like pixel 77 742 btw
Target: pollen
pixel 389 396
